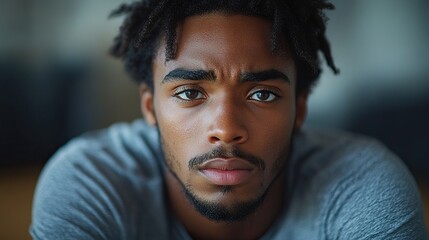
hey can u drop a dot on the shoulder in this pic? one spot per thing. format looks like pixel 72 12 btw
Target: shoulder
pixel 96 181
pixel 319 152
pixel 122 151
pixel 361 189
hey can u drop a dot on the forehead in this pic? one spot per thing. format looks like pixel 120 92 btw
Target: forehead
pixel 219 40
pixel 225 30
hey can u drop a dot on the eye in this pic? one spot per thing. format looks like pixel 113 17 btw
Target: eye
pixel 263 96
pixel 189 95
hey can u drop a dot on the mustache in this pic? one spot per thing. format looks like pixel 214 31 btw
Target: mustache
pixel 221 152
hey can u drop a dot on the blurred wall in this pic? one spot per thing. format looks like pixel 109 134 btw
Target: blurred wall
pixel 57 80
pixel 382 50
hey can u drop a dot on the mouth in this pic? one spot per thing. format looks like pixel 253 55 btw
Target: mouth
pixel 227 172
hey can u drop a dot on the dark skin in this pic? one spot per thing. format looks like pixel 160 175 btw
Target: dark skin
pixel 225 88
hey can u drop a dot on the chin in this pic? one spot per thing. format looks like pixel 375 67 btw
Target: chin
pixel 224 205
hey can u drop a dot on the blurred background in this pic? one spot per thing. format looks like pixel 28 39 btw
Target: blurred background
pixel 57 81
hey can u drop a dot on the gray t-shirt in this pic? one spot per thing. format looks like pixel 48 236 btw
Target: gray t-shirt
pixel 109 185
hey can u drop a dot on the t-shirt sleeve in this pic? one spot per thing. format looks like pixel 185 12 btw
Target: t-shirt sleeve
pixel 376 199
pixel 73 201
pixel 98 187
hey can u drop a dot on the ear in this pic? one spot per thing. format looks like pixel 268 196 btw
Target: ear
pixel 146 104
pixel 301 109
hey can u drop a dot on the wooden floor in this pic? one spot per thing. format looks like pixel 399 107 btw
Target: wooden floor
pixel 16 193
pixel 424 191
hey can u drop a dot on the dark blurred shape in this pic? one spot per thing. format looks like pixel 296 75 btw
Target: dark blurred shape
pixel 35 109
pixel 401 125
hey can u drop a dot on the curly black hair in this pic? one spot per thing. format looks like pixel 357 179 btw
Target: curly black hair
pixel 301 22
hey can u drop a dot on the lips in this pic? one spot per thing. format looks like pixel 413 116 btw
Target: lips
pixel 232 171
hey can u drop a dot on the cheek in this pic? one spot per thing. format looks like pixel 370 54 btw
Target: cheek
pixel 274 135
pixel 179 130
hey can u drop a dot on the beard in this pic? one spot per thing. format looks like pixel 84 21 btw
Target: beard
pixel 216 211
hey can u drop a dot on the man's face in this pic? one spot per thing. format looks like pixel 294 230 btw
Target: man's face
pixel 226 109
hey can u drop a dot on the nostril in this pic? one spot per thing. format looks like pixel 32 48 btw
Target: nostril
pixel 214 139
pixel 225 138
pixel 238 138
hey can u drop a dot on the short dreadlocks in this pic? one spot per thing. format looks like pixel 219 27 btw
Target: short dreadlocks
pixel 301 22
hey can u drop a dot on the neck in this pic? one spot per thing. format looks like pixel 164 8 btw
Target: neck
pixel 199 227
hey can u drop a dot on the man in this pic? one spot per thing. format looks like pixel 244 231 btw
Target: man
pixel 222 154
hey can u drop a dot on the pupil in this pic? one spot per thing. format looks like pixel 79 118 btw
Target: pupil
pixel 191 94
pixel 263 95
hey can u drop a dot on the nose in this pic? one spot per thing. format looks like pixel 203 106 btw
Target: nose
pixel 227 124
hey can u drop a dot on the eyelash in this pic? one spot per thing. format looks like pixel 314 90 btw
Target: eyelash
pixel 270 91
pixel 183 89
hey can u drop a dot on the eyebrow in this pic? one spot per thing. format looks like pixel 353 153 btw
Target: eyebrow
pixel 270 74
pixel 198 75
pixel 188 74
